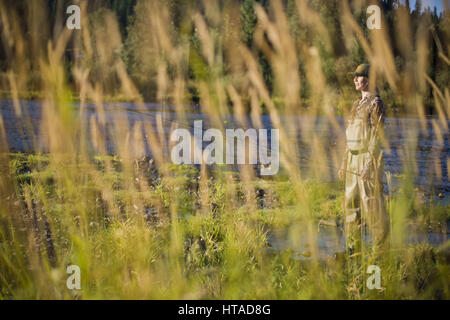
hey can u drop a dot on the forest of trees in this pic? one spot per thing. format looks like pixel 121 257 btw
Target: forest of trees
pixel 336 61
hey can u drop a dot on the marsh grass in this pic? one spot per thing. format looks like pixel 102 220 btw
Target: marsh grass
pixel 142 228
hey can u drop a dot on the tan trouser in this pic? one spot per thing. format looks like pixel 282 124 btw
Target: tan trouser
pixel 364 203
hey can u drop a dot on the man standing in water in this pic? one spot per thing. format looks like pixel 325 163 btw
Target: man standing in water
pixel 362 167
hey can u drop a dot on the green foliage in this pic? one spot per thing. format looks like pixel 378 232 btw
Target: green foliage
pixel 248 21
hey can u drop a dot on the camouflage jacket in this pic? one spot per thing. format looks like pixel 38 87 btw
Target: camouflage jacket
pixel 372 111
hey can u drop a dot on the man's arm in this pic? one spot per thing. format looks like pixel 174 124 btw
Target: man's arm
pixel 376 121
pixel 376 118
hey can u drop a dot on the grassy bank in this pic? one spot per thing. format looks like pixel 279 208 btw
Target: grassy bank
pixel 137 234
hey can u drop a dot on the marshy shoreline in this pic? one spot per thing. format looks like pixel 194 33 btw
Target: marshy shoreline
pixel 275 221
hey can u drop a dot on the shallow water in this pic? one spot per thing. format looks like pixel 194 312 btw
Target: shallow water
pixel 412 144
pixel 331 240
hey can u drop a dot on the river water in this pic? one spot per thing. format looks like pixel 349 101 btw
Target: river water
pixel 421 146
pixel 331 240
pixel 412 144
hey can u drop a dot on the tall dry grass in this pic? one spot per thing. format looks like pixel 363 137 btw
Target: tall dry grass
pixel 141 228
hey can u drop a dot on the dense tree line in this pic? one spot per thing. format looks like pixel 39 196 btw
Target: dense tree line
pixel 336 60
